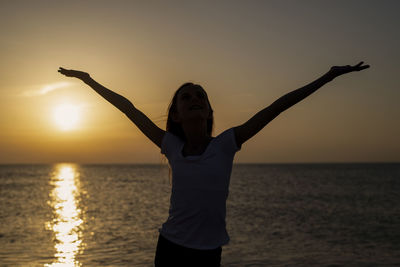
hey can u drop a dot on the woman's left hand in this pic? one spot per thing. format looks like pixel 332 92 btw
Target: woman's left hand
pixel 340 70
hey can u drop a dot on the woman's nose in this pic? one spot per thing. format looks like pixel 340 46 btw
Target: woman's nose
pixel 195 99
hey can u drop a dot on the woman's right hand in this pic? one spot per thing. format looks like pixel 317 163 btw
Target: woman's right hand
pixel 74 73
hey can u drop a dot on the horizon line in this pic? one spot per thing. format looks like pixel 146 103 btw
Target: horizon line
pixel 235 163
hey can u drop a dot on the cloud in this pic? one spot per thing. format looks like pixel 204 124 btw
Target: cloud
pixel 45 89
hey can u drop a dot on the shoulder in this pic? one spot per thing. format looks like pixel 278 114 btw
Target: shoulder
pixel 170 142
pixel 228 140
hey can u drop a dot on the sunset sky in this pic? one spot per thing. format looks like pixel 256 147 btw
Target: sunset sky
pixel 246 54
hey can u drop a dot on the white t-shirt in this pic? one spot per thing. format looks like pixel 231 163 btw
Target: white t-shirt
pixel 200 186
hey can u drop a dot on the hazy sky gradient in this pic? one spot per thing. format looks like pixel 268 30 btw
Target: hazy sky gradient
pixel 246 54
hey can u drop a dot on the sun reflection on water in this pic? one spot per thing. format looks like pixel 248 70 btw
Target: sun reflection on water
pixel 67 222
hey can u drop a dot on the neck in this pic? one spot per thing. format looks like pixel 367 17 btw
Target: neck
pixel 196 132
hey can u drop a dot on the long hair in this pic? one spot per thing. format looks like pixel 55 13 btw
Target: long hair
pixel 176 128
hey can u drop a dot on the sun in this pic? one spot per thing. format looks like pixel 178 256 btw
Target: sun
pixel 66 116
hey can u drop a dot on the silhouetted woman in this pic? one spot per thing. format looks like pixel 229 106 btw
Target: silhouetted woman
pixel 195 231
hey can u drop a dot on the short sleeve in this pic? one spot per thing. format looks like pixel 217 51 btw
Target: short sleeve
pixel 170 144
pixel 228 141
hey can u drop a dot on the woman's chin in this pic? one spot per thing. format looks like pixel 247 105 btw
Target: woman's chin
pixel 195 116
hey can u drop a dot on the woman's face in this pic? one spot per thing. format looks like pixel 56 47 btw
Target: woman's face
pixel 192 103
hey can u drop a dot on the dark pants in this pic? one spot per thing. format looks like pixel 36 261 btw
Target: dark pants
pixel 169 254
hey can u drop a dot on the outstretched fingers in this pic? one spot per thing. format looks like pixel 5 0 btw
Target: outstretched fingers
pixel 62 70
pixel 359 66
pixel 74 73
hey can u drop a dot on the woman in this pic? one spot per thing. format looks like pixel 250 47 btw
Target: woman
pixel 195 231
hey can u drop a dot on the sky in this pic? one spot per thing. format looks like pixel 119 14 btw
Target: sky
pixel 246 54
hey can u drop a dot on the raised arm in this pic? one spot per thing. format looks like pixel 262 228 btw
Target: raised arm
pixel 152 131
pixel 262 118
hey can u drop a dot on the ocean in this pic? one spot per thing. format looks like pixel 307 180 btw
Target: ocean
pixel 277 214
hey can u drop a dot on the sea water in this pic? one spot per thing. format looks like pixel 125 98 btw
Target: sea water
pixel 277 214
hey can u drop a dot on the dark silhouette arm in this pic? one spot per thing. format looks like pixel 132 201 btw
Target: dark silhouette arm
pixel 152 131
pixel 262 118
